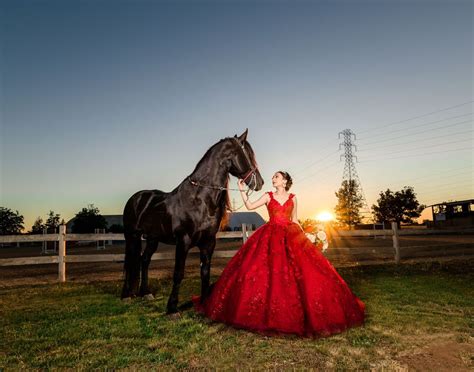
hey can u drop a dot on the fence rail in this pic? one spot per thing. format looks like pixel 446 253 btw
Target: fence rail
pixel 94 237
pixel 62 237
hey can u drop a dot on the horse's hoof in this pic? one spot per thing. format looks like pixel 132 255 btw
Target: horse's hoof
pixel 149 297
pixel 171 310
pixel 127 300
pixel 174 316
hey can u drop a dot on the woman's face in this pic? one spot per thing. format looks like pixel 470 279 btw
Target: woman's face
pixel 278 180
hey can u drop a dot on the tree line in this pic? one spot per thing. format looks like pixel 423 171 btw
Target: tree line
pixel 86 221
pixel 392 206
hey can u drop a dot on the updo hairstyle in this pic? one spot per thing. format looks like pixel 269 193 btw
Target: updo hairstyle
pixel 287 177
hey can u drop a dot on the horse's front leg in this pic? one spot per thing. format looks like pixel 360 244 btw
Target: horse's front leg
pixel 180 261
pixel 206 251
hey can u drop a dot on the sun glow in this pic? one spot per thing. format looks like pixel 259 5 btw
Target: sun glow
pixel 324 216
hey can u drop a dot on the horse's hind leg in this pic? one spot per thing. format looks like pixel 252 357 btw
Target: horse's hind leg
pixel 133 248
pixel 206 250
pixel 151 247
pixel 180 261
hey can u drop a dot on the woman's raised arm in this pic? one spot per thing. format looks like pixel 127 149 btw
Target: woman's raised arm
pixel 264 199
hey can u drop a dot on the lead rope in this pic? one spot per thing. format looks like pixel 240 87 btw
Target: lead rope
pixel 248 193
pixel 251 173
pixel 222 188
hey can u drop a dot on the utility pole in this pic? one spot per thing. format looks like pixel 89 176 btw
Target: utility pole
pixel 350 173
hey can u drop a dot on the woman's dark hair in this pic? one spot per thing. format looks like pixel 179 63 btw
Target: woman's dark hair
pixel 287 177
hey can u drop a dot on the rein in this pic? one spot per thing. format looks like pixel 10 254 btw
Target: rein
pixel 251 173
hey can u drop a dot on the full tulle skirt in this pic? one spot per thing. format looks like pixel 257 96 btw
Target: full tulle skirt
pixel 279 282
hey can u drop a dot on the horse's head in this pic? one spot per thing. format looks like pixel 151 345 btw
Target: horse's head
pixel 243 163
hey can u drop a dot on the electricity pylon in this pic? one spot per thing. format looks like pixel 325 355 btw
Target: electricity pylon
pixel 350 172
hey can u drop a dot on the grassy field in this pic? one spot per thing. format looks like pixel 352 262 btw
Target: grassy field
pixel 419 317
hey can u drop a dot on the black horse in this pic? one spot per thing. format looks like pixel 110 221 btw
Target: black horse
pixel 188 216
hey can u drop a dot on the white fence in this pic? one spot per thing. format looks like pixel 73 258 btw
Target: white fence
pixel 62 237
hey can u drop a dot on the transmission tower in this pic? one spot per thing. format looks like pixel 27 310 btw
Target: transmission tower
pixel 350 172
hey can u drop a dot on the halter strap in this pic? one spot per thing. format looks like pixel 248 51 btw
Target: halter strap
pixel 253 165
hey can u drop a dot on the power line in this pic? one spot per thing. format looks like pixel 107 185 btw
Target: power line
pixel 415 141
pixel 414 126
pixel 429 146
pixel 420 190
pixel 323 181
pixel 414 155
pixel 450 175
pixel 422 132
pixel 411 181
pixel 317 161
pixel 320 152
pixel 395 152
pixel 435 188
pixel 318 172
pixel 416 117
pixel 459 197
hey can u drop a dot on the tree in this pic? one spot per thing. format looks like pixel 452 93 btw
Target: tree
pixel 52 222
pixel 349 203
pixel 38 226
pixel 11 223
pixel 399 206
pixel 88 219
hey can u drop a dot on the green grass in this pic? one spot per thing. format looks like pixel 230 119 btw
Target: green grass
pixel 87 326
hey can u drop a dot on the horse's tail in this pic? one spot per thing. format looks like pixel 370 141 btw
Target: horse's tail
pixel 133 248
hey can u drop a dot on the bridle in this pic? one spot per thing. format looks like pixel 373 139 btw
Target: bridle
pixel 251 173
pixel 253 165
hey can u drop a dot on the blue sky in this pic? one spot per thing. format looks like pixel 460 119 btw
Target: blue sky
pixel 100 99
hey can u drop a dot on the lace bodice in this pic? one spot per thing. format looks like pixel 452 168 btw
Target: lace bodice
pixel 280 213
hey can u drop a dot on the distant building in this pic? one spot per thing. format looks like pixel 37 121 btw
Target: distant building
pixel 453 214
pixel 236 219
pixel 112 219
pixel 252 219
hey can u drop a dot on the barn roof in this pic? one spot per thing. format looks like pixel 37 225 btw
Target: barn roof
pixel 236 219
pixel 455 202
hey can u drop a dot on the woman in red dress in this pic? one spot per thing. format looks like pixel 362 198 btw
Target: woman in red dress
pixel 279 282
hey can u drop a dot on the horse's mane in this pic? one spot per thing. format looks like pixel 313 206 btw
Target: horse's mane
pixel 227 205
pixel 207 153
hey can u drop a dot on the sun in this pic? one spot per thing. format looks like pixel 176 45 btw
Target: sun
pixel 324 216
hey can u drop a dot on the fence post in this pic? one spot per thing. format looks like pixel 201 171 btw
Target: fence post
pixel 100 243
pixel 62 254
pixel 396 244
pixel 244 232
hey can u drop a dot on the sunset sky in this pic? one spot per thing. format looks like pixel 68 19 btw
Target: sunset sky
pixel 100 99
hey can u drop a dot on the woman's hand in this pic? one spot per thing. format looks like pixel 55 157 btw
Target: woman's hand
pixel 241 184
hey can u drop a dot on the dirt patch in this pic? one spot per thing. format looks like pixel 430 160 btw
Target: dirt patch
pixel 443 355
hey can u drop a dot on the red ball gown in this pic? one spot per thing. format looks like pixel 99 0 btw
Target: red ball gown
pixel 279 282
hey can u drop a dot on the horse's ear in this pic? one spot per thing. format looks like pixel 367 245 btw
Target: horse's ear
pixel 243 136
